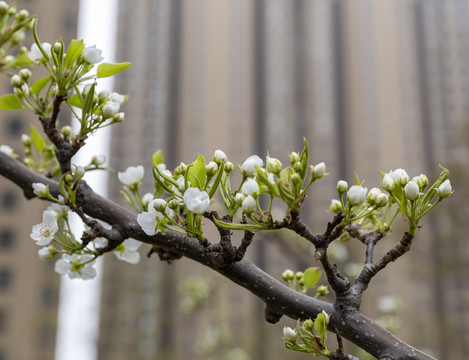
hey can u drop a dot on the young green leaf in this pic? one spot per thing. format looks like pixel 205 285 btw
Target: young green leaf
pixel 311 276
pixel 197 174
pixel 73 52
pixel 39 85
pixel 10 102
pixel 108 69
pixel 22 59
pixel 158 158
pixel 37 139
pixel 75 101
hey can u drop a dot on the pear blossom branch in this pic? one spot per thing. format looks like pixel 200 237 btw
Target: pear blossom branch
pixel 279 299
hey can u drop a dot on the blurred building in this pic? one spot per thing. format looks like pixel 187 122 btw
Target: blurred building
pixel 28 286
pixel 372 86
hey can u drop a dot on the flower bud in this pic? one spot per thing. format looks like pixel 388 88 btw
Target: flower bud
pixel 249 166
pixel 66 131
pixel 57 47
pixel 26 140
pixel 219 156
pixel 373 195
pixel 18 37
pixel 103 95
pixel 382 200
pixel 356 195
pixel 211 168
pixel 294 158
pixel 159 205
pixel 69 178
pixel 411 190
pixel 119 117
pixel 299 275
pixel 40 189
pixel 25 74
pixel 298 167
pixel 3 7
pixel 342 187
pixel 296 179
pixel 273 165
pixel 322 290
pixel 288 275
pixel 445 189
pixel 335 207
pixel 399 176
pixel 319 170
pixel 250 187
pixel 22 15
pixel 388 183
pixel 16 81
pixel 229 167
pixel 98 160
pixel 289 334
pixel 180 169
pixel 173 204
pixel 146 198
pixel 308 325
pixel 239 197
pixel 11 11
pixel 249 204
pixel 47 252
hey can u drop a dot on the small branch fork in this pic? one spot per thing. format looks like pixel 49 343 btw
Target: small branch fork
pixel 226 253
pixel 65 148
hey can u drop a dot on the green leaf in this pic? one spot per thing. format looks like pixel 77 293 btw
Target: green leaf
pixel 73 52
pixel 157 157
pixel 10 102
pixel 197 174
pixel 108 69
pixel 75 101
pixel 311 276
pixel 39 85
pixel 37 139
pixel 22 59
pixel 320 324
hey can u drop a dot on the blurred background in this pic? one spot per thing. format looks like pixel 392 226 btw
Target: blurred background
pixel 372 85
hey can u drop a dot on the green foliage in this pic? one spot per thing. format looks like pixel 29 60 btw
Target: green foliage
pixel 109 69
pixel 10 102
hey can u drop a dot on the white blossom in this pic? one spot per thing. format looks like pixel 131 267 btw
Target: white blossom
pixel 6 150
pixel 128 251
pixel 92 54
pixel 196 201
pixel 40 189
pixel 356 194
pixel 110 108
pixel 411 190
pixel 211 168
pixel 159 205
pixel 132 175
pixel 249 166
pixel 35 54
pixel 273 165
pixel 47 252
pixel 289 334
pixel 146 198
pixel 117 98
pixel 382 200
pixel 76 266
pixel 147 222
pixel 44 232
pixel 249 204
pixel 445 189
pixel 373 195
pixel 250 187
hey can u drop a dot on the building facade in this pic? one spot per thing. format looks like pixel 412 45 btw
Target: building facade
pixel 372 86
pixel 28 286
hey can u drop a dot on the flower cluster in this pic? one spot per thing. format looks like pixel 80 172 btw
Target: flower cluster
pixel 373 208
pixel 54 236
pixel 190 190
pixel 313 335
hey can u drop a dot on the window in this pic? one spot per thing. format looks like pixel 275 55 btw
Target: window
pixel 8 200
pixel 6 240
pixel 5 279
pixel 15 126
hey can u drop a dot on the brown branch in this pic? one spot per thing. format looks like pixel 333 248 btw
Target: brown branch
pixel 279 299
